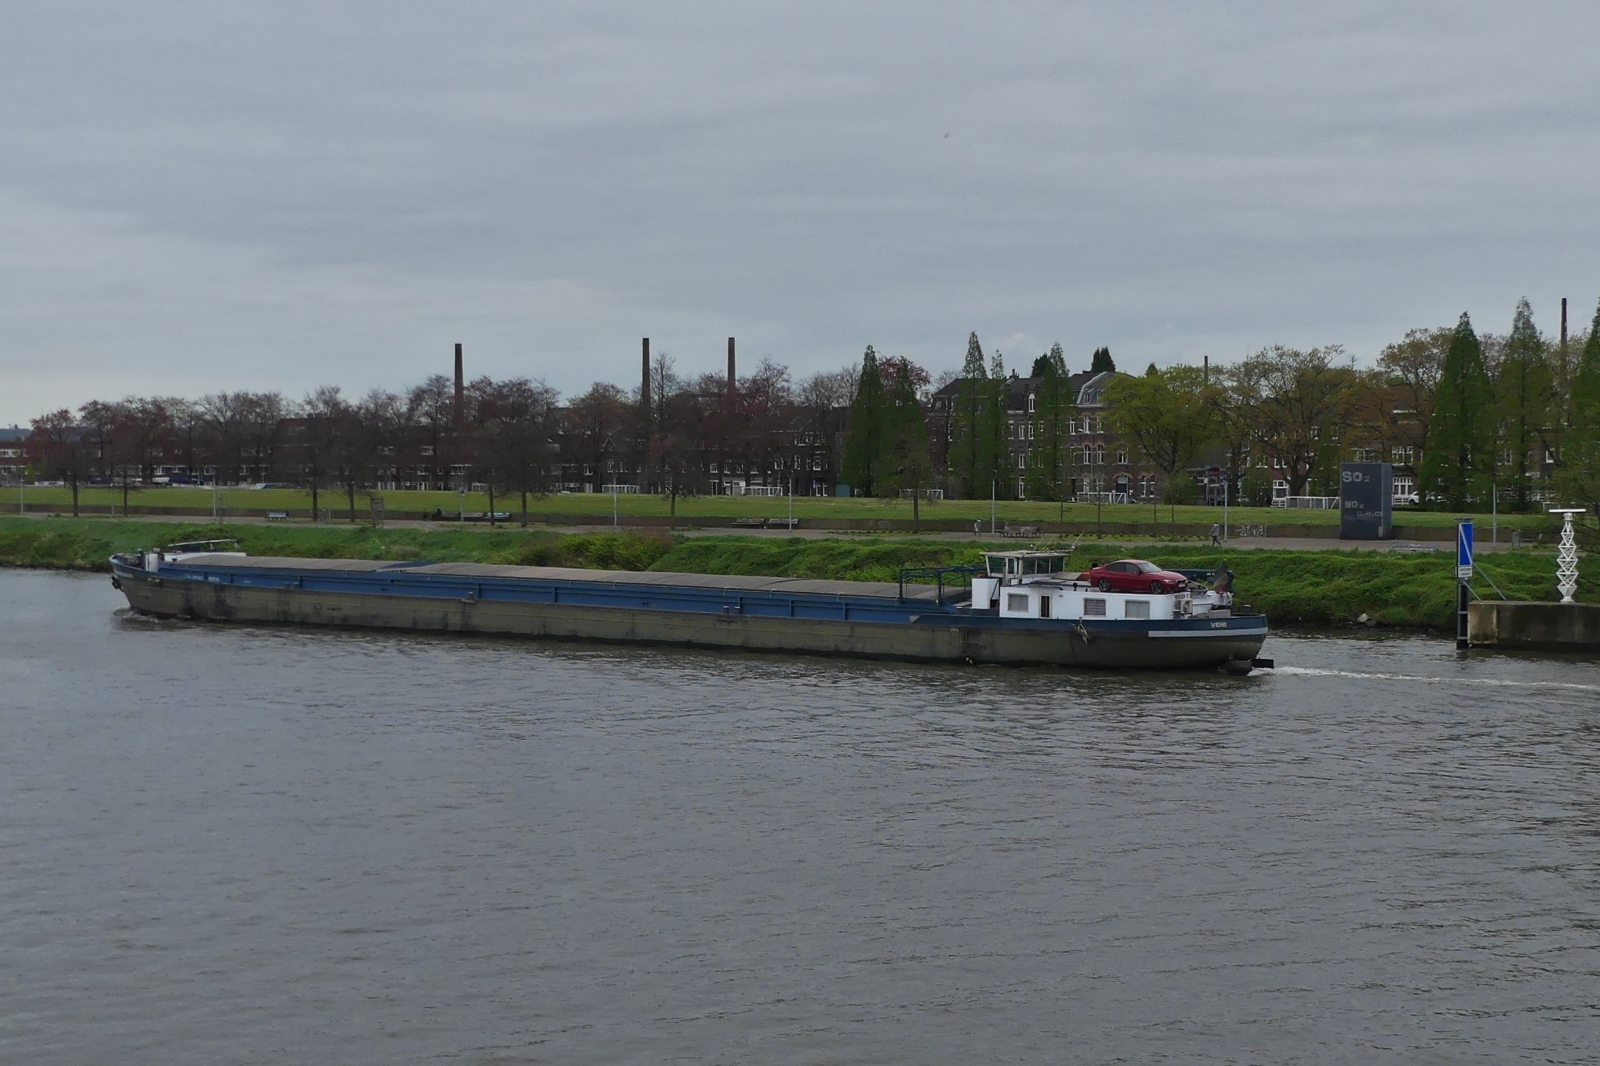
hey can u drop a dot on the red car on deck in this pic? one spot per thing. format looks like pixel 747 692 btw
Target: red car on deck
pixel 1136 575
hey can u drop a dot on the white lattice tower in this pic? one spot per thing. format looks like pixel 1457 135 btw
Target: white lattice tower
pixel 1567 553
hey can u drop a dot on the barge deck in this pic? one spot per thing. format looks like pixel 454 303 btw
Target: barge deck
pixel 875 620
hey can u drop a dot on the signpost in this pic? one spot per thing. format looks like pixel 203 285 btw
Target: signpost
pixel 1463 578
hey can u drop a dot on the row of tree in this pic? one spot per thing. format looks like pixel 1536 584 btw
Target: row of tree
pixel 1470 416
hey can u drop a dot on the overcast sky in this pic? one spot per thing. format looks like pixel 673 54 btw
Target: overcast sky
pixel 200 196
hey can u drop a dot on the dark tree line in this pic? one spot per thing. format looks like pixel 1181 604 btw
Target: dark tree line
pixel 1470 417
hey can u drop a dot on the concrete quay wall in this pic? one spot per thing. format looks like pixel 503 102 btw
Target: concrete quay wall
pixel 1531 625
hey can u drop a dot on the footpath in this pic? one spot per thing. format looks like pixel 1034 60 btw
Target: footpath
pixel 1325 538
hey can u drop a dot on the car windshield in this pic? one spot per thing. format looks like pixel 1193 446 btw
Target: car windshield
pixel 1147 568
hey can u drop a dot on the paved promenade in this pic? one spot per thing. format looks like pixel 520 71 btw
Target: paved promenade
pixel 1243 543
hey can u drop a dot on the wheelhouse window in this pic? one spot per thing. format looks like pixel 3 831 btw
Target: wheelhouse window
pixel 1136 609
pixel 1094 607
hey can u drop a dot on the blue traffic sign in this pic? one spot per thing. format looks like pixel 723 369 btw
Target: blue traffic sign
pixel 1464 549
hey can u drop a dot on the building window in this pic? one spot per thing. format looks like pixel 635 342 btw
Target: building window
pixel 1122 456
pixel 1031 401
pixel 1100 454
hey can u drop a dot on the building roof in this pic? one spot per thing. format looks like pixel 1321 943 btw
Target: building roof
pixel 1085 386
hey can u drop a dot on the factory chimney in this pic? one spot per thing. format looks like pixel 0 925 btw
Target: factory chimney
pixel 460 386
pixel 733 381
pixel 644 382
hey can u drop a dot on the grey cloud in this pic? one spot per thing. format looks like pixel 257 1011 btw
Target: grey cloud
pixel 197 197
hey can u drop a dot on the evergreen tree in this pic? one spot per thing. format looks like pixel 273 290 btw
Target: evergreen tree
pixel 973 367
pixel 905 466
pixel 864 440
pixel 971 397
pixel 994 434
pixel 1525 394
pixel 1041 366
pixel 1102 361
pixel 1459 462
pixel 1049 473
pixel 1580 452
pixel 1058 359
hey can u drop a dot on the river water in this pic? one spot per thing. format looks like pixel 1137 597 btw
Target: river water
pixel 243 845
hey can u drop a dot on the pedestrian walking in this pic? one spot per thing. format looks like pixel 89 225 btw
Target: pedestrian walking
pixel 1216 533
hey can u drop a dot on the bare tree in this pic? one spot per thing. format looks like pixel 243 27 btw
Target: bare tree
pixel 593 421
pixel 1396 399
pixel 261 433
pixel 430 408
pixel 57 445
pixel 1296 402
pixel 823 409
pixel 149 425
pixel 677 447
pixel 321 413
pixel 188 433
pixel 225 416
pixel 514 423
pixel 98 426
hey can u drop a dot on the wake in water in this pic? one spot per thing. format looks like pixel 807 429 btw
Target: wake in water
pixel 1307 671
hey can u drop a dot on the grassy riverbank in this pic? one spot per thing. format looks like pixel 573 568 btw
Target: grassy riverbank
pixel 1302 587
pixel 597 507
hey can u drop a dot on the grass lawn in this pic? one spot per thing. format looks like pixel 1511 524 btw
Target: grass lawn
pixel 599 506
pixel 1307 587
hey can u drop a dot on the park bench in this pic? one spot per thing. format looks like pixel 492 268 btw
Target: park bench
pixel 277 516
pixel 750 523
pixel 1019 531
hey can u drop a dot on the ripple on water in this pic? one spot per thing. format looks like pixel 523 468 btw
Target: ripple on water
pixel 239 844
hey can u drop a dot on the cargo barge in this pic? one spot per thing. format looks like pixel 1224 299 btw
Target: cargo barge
pixel 1018 607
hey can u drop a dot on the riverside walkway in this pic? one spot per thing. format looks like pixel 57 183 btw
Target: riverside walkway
pixel 984 536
